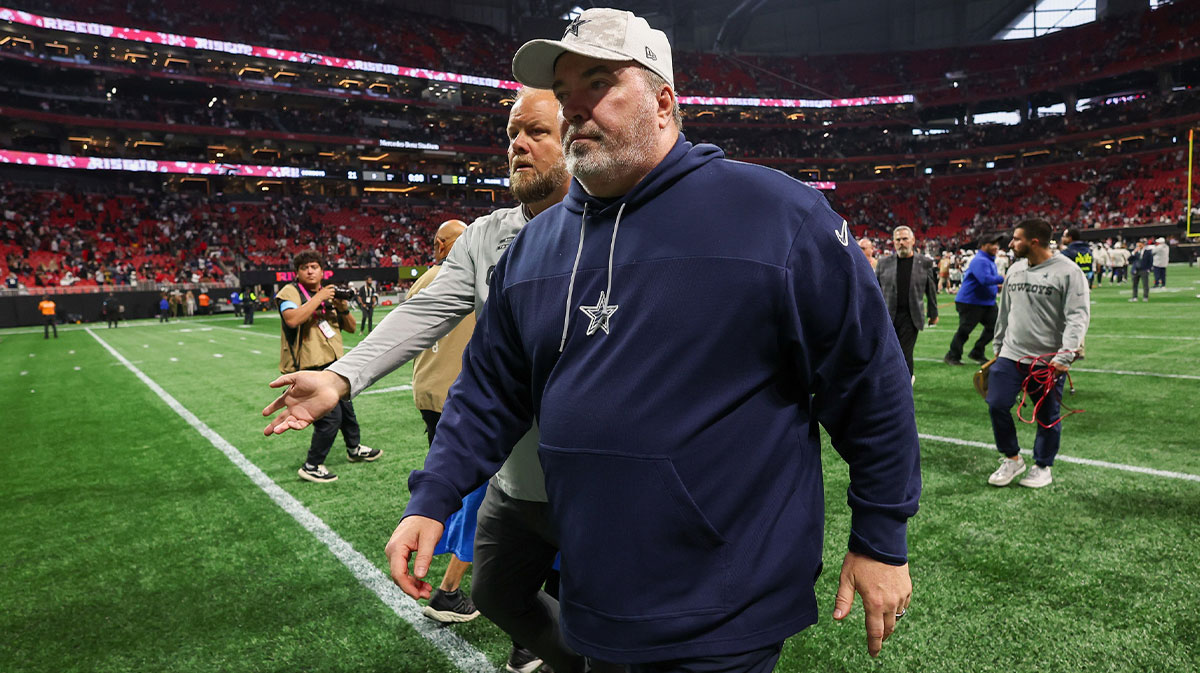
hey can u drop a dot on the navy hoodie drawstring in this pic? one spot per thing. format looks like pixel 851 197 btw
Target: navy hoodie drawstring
pixel 612 246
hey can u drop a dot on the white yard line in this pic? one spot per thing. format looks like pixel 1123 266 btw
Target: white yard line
pixel 1072 459
pixel 462 654
pixel 393 389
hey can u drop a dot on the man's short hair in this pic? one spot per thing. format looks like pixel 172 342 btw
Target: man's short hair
pixel 305 257
pixel 903 228
pixel 1037 228
pixel 655 83
pixel 1073 233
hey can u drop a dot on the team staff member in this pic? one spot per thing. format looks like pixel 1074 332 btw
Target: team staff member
pixel 1078 251
pixel 49 316
pixel 368 297
pixel 311 340
pixel 514 544
pixel 909 284
pixel 1045 309
pixel 433 371
pixel 600 325
pixel 976 303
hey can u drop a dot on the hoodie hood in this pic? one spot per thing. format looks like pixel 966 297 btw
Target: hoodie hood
pixel 683 158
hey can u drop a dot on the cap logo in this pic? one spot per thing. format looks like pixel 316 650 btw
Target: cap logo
pixel 574 27
pixel 650 55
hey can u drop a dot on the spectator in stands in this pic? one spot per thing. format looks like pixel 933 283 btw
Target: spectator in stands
pixel 49 316
pixel 1162 255
pixel 909 284
pixel 1141 262
pixel 1042 321
pixel 976 303
pixel 309 341
pixel 12 282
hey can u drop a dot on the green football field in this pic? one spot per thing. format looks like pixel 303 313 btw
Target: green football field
pixel 149 526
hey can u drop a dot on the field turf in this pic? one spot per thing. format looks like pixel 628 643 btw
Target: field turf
pixel 131 542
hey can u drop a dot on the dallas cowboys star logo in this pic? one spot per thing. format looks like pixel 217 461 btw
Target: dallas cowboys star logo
pixel 600 313
pixel 574 27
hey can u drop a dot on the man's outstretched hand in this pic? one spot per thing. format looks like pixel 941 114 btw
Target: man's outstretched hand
pixel 885 589
pixel 309 396
pixel 414 534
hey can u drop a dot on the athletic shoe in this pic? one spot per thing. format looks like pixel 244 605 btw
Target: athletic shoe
pixel 1037 477
pixel 978 359
pixel 1134 299
pixel 1145 298
pixel 363 452
pixel 316 474
pixel 1008 470
pixel 521 660
pixel 450 607
pixel 952 361
pixel 913 381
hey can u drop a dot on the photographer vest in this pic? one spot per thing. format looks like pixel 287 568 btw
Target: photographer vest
pixel 305 347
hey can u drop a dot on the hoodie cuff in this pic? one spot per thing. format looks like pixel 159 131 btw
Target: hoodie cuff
pixel 432 497
pixel 879 536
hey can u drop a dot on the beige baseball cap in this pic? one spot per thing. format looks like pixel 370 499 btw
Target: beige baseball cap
pixel 606 34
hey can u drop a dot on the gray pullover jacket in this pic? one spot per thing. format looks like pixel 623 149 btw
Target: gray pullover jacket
pixel 1043 309
pixel 460 288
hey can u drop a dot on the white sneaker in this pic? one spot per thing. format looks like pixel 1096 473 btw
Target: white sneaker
pixel 1008 470
pixel 1037 477
pixel 913 382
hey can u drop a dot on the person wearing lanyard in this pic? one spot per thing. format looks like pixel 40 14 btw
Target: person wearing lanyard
pixel 312 323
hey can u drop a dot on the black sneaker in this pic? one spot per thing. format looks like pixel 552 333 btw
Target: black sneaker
pixel 521 660
pixel 450 607
pixel 978 359
pixel 363 452
pixel 952 361
pixel 316 473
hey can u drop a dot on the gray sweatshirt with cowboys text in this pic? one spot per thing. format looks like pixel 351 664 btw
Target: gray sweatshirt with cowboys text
pixel 1043 309
pixel 460 288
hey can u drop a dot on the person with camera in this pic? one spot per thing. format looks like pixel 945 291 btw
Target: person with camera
pixel 313 319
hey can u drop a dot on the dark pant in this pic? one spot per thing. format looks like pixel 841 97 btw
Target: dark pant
pixel 906 332
pixel 759 661
pixel 1118 274
pixel 368 319
pixel 970 315
pixel 112 320
pixel 50 324
pixel 326 428
pixel 431 419
pixel 1004 385
pixel 237 310
pixel 162 314
pixel 1160 276
pixel 514 555
pixel 1142 277
pixel 248 318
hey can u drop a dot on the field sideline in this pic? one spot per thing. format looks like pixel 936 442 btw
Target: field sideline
pixel 149 526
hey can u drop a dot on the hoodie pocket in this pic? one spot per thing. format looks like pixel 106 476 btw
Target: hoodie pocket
pixel 634 543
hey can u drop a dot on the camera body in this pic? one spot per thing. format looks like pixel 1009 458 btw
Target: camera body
pixel 343 292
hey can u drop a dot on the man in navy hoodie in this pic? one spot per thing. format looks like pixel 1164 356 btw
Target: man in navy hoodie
pixel 976 303
pixel 678 327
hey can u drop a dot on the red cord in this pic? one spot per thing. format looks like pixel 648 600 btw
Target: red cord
pixel 1046 377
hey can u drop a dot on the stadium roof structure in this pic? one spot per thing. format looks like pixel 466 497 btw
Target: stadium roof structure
pixel 791 27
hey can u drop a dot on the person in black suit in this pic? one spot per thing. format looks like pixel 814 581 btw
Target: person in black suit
pixel 909 284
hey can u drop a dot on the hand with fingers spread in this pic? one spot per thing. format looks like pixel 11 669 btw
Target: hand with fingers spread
pixel 309 396
pixel 414 534
pixel 885 589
